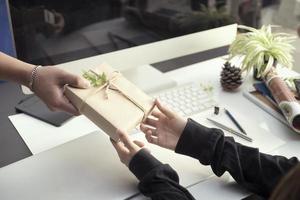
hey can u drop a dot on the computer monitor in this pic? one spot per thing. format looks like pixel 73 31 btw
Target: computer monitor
pixel 7 44
pixel 53 32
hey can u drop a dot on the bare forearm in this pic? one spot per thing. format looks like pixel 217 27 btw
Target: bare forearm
pixel 12 69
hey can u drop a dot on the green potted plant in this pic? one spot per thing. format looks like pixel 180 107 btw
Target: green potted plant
pixel 260 50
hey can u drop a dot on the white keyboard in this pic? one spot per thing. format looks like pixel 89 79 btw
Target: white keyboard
pixel 187 99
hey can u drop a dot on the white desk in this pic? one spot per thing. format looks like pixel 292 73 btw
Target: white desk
pixel 77 171
pixel 208 73
pixel 88 168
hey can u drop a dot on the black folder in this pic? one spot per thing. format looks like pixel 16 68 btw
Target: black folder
pixel 33 106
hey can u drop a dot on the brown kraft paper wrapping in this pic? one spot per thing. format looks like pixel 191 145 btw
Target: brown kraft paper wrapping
pixel 121 105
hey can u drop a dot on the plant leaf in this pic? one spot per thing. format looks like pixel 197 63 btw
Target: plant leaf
pixel 95 79
pixel 258 44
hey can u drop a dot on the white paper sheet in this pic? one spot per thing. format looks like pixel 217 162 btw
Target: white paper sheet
pixel 40 136
pixel 262 137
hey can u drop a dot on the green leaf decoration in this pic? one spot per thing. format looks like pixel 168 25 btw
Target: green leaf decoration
pixel 207 88
pixel 257 46
pixel 96 80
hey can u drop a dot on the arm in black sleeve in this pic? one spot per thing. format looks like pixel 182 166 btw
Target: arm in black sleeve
pixel 157 181
pixel 258 172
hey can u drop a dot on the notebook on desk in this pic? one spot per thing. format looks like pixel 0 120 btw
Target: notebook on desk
pixel 261 96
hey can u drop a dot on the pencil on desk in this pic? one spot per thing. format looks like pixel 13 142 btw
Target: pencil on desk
pixel 235 121
pixel 230 130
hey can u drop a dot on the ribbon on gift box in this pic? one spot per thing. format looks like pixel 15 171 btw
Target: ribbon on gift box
pixel 109 85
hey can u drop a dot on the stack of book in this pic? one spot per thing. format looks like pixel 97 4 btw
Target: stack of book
pixel 262 97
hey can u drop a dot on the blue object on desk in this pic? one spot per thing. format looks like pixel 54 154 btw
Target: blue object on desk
pixel 263 89
pixel 236 123
pixel 7 44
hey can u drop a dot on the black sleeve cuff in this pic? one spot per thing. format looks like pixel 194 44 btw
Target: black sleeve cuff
pixel 198 141
pixel 143 162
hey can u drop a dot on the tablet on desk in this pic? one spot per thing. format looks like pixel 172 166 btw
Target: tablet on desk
pixel 33 106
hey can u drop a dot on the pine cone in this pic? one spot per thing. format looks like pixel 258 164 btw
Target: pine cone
pixel 231 77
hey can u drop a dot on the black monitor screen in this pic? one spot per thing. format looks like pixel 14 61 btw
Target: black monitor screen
pixel 57 31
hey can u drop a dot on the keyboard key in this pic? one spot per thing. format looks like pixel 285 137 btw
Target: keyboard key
pixel 187 100
pixel 187 111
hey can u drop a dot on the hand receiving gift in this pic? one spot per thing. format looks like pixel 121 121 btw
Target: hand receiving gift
pixel 163 127
pixel 126 148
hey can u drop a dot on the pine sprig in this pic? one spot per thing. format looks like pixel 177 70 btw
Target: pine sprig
pixel 95 79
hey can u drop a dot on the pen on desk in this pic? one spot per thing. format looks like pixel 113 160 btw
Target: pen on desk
pixel 235 121
pixel 245 137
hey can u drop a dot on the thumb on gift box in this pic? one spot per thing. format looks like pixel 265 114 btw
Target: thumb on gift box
pixel 75 81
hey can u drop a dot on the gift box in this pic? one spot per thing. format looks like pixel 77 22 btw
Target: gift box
pixel 115 104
